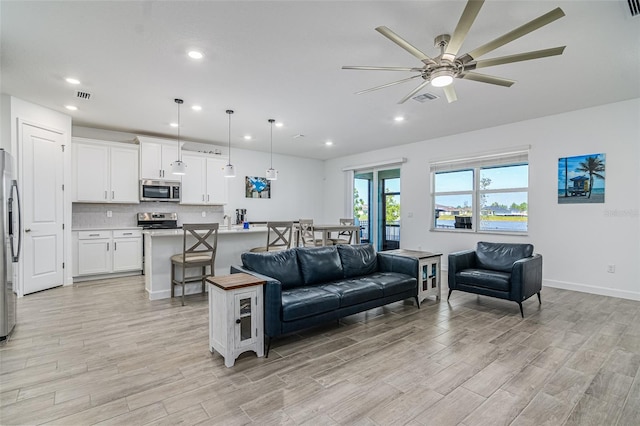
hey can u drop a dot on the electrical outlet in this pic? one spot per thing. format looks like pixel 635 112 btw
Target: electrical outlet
pixel 611 269
pixel 109 213
pixel 204 214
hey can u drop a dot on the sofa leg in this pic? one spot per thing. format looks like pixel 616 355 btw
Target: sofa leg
pixel 521 311
pixel 266 353
pixel 539 300
pixel 450 291
pixel 418 302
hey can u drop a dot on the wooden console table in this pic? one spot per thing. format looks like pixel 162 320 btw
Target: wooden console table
pixel 235 316
pixel 429 279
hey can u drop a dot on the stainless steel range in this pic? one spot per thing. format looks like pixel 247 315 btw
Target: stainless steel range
pixel 158 220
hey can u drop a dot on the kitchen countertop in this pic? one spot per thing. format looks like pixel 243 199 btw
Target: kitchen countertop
pixel 108 228
pixel 174 232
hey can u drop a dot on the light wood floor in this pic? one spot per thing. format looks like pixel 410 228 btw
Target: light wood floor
pixel 101 353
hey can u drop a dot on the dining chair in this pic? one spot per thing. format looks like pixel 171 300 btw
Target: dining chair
pixel 307 234
pixel 278 237
pixel 344 237
pixel 201 254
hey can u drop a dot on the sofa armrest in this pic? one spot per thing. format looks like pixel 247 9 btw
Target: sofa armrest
pixel 457 262
pixel 272 301
pixel 526 277
pixel 400 264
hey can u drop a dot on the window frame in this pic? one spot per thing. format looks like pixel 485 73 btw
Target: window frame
pixel 476 165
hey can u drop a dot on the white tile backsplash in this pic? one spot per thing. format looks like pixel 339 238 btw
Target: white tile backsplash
pixel 124 215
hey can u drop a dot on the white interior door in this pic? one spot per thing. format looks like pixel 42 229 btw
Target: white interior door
pixel 42 179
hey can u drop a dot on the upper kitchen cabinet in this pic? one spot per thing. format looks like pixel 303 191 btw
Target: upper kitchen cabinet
pixel 204 182
pixel 156 156
pixel 105 172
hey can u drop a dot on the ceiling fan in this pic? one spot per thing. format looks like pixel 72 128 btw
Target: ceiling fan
pixel 441 70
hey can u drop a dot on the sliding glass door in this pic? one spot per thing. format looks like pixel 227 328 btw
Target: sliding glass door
pixel 376 204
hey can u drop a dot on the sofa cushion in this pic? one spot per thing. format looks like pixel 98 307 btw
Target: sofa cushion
pixel 358 260
pixel 353 291
pixel 303 302
pixel 392 282
pixel 319 264
pixel 494 280
pixel 281 265
pixel 500 256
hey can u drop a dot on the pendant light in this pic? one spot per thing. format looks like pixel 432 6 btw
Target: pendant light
pixel 229 171
pixel 178 167
pixel 272 174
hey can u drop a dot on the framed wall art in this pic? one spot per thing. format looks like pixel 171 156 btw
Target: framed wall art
pixel 581 179
pixel 257 187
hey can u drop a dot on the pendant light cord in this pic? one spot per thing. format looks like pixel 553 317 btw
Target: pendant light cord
pixel 271 121
pixel 229 111
pixel 179 102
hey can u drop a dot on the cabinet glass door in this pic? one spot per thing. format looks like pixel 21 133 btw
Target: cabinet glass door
pixel 245 322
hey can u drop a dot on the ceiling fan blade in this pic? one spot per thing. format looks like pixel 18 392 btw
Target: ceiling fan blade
pixel 483 78
pixel 462 29
pixel 483 63
pixel 413 92
pixel 404 44
pixel 450 93
pixel 530 26
pixel 387 85
pixel 381 68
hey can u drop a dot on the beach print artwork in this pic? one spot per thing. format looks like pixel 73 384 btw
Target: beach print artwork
pixel 581 179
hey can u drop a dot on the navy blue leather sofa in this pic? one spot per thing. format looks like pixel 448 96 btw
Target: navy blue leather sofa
pixel 507 271
pixel 308 286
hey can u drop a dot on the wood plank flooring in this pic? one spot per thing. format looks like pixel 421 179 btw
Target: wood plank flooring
pixel 102 353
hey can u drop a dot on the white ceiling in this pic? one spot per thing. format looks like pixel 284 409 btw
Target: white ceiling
pixel 283 60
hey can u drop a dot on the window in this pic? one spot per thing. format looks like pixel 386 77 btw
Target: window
pixel 484 194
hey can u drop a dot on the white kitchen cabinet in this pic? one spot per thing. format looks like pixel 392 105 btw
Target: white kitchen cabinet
pixel 105 172
pixel 204 182
pixel 101 252
pixel 127 250
pixel 156 156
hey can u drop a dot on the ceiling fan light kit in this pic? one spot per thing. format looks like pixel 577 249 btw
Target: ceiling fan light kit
pixel 443 69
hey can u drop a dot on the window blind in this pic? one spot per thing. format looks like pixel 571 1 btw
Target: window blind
pixel 516 156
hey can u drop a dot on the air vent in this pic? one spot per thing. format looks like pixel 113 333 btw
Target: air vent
pixel 425 97
pixel 83 95
pixel 634 7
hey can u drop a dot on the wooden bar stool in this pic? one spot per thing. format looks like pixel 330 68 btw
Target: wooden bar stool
pixel 278 237
pixel 199 255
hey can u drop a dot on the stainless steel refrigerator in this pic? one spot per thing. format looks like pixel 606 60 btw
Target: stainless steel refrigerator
pixel 11 242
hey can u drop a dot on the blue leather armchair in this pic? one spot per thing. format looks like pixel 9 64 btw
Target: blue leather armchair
pixel 506 271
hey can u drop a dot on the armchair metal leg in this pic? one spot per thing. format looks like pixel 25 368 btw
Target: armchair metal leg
pixel 521 311
pixel 449 295
pixel 539 300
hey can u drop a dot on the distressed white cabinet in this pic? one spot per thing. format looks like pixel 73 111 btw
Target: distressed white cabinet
pixel 105 172
pixel 235 316
pixel 99 252
pixel 204 182
pixel 156 156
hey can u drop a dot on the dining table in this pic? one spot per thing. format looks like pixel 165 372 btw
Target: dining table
pixel 326 231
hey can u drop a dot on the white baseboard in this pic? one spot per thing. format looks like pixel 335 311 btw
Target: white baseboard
pixel 603 291
pixel 191 288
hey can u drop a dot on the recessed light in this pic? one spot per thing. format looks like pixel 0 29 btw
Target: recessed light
pixel 72 80
pixel 196 108
pixel 328 143
pixel 247 137
pixel 399 118
pixel 194 54
pixel 278 124
pixel 173 124
pixel 71 107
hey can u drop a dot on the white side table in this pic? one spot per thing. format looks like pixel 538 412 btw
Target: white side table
pixel 428 271
pixel 235 316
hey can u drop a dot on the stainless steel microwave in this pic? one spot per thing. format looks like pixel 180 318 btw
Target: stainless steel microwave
pixel 159 190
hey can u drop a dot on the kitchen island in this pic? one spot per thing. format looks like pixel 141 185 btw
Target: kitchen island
pixel 161 244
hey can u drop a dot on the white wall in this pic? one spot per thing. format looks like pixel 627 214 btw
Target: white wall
pixel 577 241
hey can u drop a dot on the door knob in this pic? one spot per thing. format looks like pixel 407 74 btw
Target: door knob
pixel 238 321
pixel 27 230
